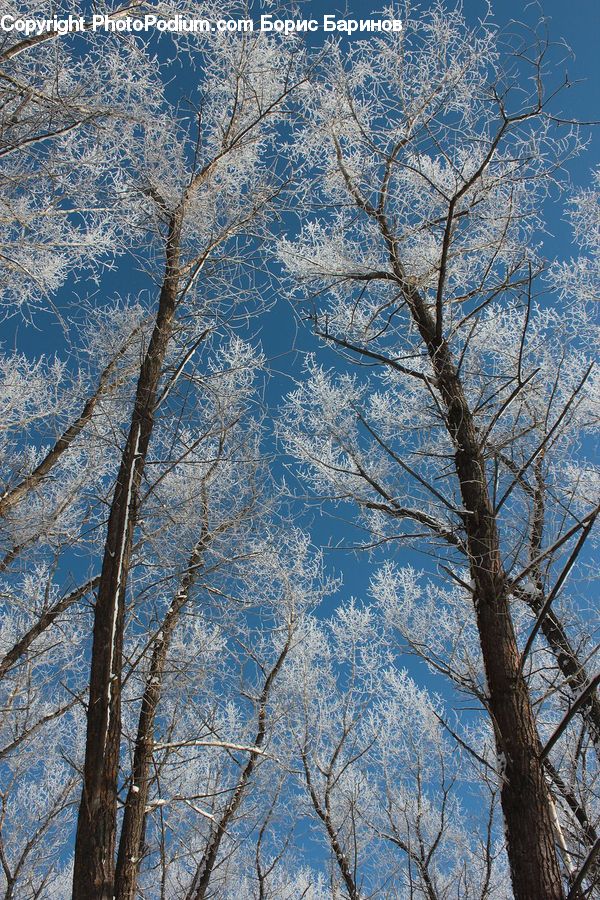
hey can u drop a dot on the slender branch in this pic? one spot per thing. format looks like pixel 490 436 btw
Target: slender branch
pixel 559 583
pixel 581 701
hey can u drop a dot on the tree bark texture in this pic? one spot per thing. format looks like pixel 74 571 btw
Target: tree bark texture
pixel 531 847
pixel 93 875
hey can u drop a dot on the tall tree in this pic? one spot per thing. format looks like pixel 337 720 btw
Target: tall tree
pixel 434 152
pixel 239 737
pixel 207 185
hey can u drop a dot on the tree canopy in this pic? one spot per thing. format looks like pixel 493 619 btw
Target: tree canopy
pixel 318 622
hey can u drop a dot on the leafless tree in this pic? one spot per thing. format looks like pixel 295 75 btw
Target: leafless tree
pixel 435 149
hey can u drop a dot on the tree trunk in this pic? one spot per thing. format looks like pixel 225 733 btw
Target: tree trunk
pixel 530 838
pixel 93 874
pixel 132 831
pixel 201 881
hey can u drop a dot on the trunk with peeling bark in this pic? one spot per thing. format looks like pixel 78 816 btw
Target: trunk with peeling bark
pixel 93 874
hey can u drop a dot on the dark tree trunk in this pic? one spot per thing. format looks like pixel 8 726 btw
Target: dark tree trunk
pixel 533 859
pixel 531 848
pixel 132 831
pixel 93 874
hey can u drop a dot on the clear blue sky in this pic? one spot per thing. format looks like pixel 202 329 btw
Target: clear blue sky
pixel 576 22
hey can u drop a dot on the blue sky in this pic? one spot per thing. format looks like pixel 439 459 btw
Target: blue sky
pixel 577 23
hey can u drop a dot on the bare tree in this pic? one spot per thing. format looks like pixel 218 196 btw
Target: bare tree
pixel 435 166
pixel 89 174
pixel 216 193
pixel 177 703
pixel 382 780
